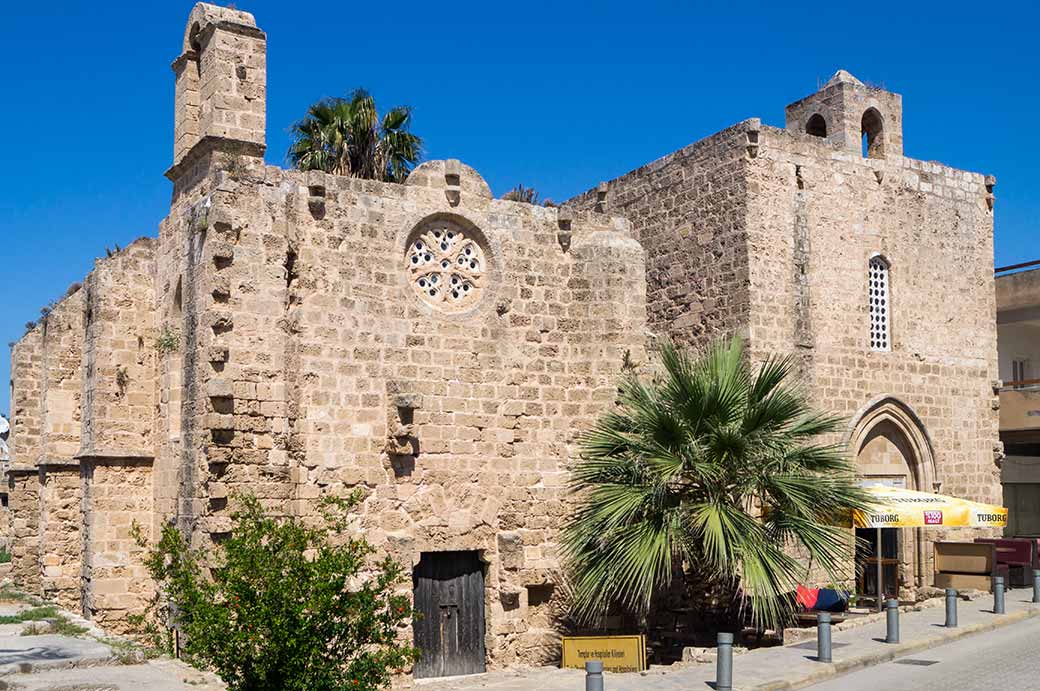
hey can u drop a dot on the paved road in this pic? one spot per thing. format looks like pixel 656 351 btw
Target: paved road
pixel 1005 659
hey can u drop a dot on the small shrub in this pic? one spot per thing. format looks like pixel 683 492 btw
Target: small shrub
pixel 233 165
pixel 5 556
pixel 122 380
pixel 64 627
pixel 169 341
pixel 527 195
pixel 288 606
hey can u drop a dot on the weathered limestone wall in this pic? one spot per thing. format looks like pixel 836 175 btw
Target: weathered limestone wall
pixel 689 211
pixel 785 223
pixel 119 387
pixel 59 483
pixel 819 216
pixel 62 349
pixel 221 78
pixel 23 492
pixel 321 369
pixel 118 494
pixel 60 551
pixel 119 429
pixel 46 387
pixel 27 399
pixel 822 213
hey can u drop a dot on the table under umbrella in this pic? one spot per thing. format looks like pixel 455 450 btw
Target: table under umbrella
pixel 906 508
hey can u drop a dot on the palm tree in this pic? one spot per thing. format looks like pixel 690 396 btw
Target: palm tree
pixel 347 137
pixel 714 473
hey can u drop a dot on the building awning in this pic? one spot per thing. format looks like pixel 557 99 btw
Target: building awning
pixel 905 508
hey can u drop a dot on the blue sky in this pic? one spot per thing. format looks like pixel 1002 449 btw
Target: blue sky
pixel 554 95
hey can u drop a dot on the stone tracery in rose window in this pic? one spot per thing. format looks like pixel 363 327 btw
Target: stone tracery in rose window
pixel 446 266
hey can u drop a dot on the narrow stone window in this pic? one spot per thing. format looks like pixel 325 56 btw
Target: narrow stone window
pixel 877 299
pixel 873 126
pixel 816 126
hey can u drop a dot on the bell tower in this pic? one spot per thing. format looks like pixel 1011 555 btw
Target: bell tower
pixel 221 81
pixel 857 117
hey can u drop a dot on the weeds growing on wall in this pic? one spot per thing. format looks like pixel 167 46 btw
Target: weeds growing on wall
pixel 169 341
pixel 287 605
pixel 122 380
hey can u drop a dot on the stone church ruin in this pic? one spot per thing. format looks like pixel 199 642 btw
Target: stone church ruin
pixel 294 334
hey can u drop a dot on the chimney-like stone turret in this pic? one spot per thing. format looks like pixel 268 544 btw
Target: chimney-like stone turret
pixel 847 112
pixel 221 78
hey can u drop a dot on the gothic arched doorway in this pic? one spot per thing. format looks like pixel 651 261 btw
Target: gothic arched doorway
pixel 892 448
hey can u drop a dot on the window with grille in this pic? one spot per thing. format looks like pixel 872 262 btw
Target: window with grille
pixel 880 314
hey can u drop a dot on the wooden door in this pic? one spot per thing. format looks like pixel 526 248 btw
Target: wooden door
pixel 449 597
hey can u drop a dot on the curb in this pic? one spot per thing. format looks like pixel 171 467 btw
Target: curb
pixel 27 667
pixel 842 667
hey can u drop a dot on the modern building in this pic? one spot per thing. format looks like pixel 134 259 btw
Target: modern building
pixel 1018 342
pixel 295 334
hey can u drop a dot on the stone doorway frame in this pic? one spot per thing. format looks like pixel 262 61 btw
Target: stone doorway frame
pixel 888 408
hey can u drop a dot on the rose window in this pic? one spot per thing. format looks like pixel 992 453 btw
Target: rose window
pixel 446 266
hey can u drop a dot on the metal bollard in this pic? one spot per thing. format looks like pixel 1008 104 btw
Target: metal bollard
pixel 951 608
pixel 892 621
pixel 594 675
pixel 998 594
pixel 1036 585
pixel 823 637
pixel 724 662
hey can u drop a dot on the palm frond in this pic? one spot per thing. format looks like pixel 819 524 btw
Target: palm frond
pixel 714 465
pixel 346 136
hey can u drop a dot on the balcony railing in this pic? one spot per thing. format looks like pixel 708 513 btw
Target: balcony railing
pixel 1024 384
pixel 1020 405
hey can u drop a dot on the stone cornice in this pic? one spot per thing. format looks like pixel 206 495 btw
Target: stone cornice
pixel 186 56
pixel 103 455
pixel 232 28
pixel 57 462
pixel 208 145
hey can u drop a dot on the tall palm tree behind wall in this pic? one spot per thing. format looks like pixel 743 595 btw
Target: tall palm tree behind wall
pixel 348 137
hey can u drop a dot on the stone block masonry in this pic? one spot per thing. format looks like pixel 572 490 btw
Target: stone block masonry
pixel 295 335
pixel 770 233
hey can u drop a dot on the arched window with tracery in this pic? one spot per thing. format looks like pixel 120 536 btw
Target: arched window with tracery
pixel 878 302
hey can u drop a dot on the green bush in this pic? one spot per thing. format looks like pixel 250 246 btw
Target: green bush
pixel 287 605
pixel 5 556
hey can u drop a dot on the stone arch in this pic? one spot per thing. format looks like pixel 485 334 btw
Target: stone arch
pixel 203 15
pixel 816 126
pixel 888 421
pixel 913 438
pixel 873 132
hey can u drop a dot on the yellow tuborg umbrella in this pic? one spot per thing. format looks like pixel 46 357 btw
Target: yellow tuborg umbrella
pixel 906 508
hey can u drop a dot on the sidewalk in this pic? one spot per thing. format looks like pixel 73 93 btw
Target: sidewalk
pixel 791 666
pixel 89 660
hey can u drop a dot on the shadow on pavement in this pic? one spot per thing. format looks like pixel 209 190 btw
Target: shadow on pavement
pixel 35 654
